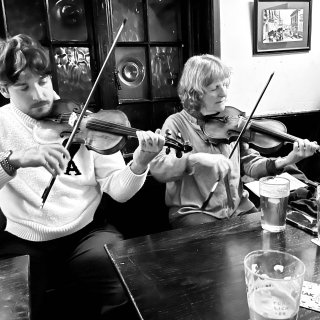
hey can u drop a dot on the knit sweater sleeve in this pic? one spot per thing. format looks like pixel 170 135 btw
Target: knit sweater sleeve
pixel 168 167
pixel 4 177
pixel 116 178
pixel 253 164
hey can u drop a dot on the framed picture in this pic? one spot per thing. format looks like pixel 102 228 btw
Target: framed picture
pixel 281 26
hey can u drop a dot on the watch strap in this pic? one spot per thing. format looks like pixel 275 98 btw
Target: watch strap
pixel 5 164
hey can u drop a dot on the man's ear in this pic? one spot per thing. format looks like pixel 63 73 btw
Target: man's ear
pixel 4 91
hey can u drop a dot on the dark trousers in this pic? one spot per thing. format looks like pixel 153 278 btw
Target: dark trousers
pixel 79 263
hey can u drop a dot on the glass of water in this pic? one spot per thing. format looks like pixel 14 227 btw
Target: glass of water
pixel 274 195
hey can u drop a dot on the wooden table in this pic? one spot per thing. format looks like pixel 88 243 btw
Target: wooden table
pixel 197 272
pixel 14 288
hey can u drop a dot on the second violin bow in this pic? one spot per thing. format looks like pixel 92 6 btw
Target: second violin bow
pixel 76 126
pixel 226 180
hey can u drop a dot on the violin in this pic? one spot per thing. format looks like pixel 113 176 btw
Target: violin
pixel 265 135
pixel 105 131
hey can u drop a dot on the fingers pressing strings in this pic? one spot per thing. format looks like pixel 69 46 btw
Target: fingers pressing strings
pixel 148 141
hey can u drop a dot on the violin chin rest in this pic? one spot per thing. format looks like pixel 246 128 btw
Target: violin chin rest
pixel 47 134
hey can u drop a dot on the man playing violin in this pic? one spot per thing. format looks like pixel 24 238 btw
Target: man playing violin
pixel 62 238
pixel 203 90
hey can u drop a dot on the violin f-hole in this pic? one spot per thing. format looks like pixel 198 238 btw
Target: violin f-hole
pixel 64 134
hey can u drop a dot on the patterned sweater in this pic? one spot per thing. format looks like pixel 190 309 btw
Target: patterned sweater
pixel 75 195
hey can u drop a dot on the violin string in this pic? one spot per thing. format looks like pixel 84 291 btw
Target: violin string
pixel 111 127
pixel 115 128
pixel 105 126
pixel 276 134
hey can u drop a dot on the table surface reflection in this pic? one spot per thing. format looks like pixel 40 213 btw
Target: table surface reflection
pixel 14 288
pixel 197 272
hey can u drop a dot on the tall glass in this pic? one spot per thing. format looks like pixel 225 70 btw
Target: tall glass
pixel 274 195
pixel 274 282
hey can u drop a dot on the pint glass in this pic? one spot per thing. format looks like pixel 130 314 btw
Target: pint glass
pixel 274 195
pixel 274 281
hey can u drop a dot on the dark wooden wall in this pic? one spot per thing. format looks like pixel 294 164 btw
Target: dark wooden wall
pixel 305 126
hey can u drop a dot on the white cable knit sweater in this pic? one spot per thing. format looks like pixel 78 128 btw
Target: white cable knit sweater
pixel 73 199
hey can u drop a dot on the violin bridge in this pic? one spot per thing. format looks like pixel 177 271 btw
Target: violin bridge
pixel 225 119
pixel 72 119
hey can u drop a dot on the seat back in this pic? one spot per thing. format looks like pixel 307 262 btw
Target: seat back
pixel 145 213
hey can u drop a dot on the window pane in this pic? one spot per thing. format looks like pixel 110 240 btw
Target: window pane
pixel 67 20
pixel 25 16
pixel 133 11
pixel 163 20
pixel 165 70
pixel 131 68
pixel 74 73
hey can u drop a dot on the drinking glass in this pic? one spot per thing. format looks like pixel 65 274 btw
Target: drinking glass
pixel 274 195
pixel 274 282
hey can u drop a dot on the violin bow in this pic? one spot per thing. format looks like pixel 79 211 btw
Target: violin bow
pixel 77 124
pixel 243 130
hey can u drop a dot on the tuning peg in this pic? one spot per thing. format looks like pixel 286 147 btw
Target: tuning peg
pixel 187 146
pixel 178 154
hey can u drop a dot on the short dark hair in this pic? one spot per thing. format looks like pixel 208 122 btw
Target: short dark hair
pixel 22 52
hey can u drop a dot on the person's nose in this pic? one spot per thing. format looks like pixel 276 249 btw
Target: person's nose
pixel 222 91
pixel 37 93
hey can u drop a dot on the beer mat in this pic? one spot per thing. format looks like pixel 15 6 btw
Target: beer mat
pixel 316 241
pixel 310 296
pixel 294 183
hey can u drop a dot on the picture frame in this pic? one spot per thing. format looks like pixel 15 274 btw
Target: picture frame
pixel 281 26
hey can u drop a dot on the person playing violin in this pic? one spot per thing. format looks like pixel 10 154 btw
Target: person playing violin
pixel 203 91
pixel 62 237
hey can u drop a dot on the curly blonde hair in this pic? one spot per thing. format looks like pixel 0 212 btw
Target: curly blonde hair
pixel 198 73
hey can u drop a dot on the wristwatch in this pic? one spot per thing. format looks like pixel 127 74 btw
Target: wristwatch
pixel 6 166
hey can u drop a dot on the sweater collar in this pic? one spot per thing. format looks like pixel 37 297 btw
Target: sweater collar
pixel 191 119
pixel 30 122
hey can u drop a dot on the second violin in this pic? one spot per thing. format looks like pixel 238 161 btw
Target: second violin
pixel 265 135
